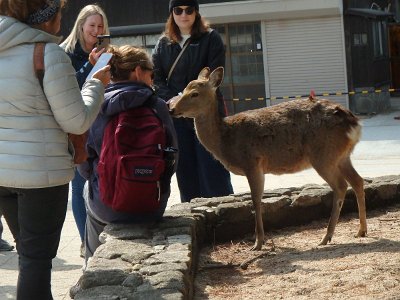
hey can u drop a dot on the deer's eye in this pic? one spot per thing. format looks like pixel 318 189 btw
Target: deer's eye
pixel 194 95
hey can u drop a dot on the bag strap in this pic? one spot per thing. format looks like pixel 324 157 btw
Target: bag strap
pixel 177 59
pixel 38 61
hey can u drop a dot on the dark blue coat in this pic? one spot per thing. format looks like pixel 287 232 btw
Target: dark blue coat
pixel 121 97
pixel 81 64
pixel 205 51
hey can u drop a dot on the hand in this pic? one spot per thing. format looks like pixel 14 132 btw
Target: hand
pixel 94 55
pixel 103 75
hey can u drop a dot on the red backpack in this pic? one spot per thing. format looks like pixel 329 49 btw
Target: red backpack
pixel 131 162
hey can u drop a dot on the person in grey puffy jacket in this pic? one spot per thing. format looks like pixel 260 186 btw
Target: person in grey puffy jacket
pixel 36 162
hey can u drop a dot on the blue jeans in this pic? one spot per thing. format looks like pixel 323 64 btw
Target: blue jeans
pixel 78 203
pixel 35 218
pixel 198 173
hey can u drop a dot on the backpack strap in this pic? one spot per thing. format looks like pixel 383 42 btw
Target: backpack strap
pixel 177 59
pixel 38 61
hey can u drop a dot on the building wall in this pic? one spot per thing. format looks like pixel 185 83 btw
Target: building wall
pixel 302 41
pixel 123 12
pixel 303 44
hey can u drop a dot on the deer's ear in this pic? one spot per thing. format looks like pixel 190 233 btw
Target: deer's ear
pixel 217 76
pixel 204 74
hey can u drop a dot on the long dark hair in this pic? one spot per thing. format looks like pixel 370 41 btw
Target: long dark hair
pixel 199 27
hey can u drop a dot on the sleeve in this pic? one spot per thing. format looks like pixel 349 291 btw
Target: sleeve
pixel 171 157
pixel 74 110
pixel 172 140
pixel 160 74
pixel 216 53
pixel 84 70
pixel 216 58
pixel 82 73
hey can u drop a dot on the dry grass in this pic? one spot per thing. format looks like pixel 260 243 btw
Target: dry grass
pixel 348 268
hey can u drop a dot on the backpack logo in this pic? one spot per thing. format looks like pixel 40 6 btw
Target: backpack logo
pixel 141 171
pixel 132 161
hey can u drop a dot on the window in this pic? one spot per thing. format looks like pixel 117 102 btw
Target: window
pixel 360 39
pixel 244 65
pixel 378 33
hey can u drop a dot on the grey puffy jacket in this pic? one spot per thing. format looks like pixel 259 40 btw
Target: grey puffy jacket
pixel 34 148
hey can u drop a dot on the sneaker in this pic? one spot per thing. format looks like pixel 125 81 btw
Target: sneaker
pixel 74 290
pixel 82 254
pixel 5 246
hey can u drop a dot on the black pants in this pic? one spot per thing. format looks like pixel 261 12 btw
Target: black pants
pixel 199 175
pixel 1 227
pixel 35 218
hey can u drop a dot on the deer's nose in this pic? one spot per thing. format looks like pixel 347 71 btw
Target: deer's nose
pixel 171 111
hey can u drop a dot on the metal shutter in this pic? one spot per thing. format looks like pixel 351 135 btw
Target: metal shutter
pixel 304 55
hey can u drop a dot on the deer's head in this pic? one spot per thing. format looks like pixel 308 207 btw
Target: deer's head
pixel 199 96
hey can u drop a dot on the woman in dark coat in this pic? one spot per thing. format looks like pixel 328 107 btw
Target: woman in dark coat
pixel 198 173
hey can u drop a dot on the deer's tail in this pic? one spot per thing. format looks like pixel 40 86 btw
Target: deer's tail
pixel 353 123
pixel 354 133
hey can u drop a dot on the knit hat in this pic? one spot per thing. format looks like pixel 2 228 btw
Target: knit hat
pixel 175 3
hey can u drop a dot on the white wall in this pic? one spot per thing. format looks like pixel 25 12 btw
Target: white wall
pixel 253 10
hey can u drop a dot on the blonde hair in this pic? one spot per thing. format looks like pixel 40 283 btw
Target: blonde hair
pixel 125 59
pixel 76 34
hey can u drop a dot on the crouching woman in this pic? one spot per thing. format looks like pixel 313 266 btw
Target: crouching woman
pixel 131 81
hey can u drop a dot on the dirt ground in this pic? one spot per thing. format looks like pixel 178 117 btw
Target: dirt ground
pixel 347 268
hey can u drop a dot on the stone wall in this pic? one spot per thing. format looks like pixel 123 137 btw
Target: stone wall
pixel 158 261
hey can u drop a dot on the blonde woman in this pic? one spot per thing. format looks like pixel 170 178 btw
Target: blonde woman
pixel 80 43
pixel 35 164
pixel 80 47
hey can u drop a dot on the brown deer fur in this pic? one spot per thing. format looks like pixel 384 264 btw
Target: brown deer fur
pixel 280 139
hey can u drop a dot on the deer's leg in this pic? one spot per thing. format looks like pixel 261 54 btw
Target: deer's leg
pixel 339 186
pixel 255 177
pixel 357 183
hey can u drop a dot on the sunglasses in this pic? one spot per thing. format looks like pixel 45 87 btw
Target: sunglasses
pixel 144 67
pixel 188 10
pixel 148 69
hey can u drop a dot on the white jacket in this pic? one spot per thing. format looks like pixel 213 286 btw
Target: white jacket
pixel 33 141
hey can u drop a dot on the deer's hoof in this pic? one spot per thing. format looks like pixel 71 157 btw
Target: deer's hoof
pixel 325 240
pixel 361 233
pixel 257 246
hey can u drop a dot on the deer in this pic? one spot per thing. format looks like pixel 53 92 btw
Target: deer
pixel 280 139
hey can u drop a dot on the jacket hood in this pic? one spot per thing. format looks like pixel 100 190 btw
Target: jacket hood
pixel 123 96
pixel 14 33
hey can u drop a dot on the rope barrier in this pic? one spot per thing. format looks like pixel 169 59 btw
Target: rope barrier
pixel 351 93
